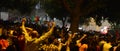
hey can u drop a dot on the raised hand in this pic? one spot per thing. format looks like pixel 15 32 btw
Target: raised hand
pixel 23 21
pixel 84 35
pixel 53 23
pixel 81 38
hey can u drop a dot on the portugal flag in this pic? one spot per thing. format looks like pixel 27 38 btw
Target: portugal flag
pixel 35 18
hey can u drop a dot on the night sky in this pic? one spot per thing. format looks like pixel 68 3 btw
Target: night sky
pixel 113 8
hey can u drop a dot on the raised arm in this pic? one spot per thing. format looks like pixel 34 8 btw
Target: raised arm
pixel 47 34
pixel 27 37
pixel 67 43
pixel 81 38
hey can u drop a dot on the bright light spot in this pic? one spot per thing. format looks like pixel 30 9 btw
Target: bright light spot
pixel 54 19
pixel 80 28
pixel 105 27
pixel 4 15
pixel 68 29
pixel 104 30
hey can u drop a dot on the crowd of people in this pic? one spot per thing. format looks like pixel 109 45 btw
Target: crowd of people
pixel 50 37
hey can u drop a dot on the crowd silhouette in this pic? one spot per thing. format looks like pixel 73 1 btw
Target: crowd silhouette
pixel 50 37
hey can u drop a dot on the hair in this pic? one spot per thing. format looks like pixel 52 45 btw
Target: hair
pixel 84 41
pixel 17 32
pixel 3 36
pixel 34 34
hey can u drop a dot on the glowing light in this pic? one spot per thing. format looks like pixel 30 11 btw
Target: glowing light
pixel 54 19
pixel 104 30
pixel 80 28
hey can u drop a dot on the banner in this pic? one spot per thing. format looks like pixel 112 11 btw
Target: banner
pixel 4 16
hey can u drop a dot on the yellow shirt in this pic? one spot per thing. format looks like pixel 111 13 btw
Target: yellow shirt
pixel 106 46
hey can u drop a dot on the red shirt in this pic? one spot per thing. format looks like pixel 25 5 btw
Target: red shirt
pixel 4 43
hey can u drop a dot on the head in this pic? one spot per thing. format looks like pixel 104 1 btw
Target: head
pixel 34 34
pixel 29 30
pixel 24 19
pixel 11 31
pixel 57 40
pixel 17 31
pixel 84 41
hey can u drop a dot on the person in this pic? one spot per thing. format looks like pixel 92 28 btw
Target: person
pixel 93 44
pixel 101 43
pixel 107 46
pixel 69 44
pixel 32 42
pixel 0 31
pixel 4 43
pixel 12 40
pixel 82 43
pixel 56 45
pixel 117 49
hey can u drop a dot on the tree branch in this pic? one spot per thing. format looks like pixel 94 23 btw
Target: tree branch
pixel 77 8
pixel 89 10
pixel 79 2
pixel 92 6
pixel 67 6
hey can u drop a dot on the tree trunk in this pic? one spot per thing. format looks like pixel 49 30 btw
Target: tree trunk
pixel 63 21
pixel 74 23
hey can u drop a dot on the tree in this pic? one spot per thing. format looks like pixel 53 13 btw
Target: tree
pixel 75 9
pixel 55 9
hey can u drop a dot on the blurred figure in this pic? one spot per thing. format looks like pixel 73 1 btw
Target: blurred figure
pixel 32 40
pixel 93 44
pixel 56 45
pixel 101 43
pixel 107 46
pixel 4 43
pixel 117 49
pixel 0 31
pixel 82 43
